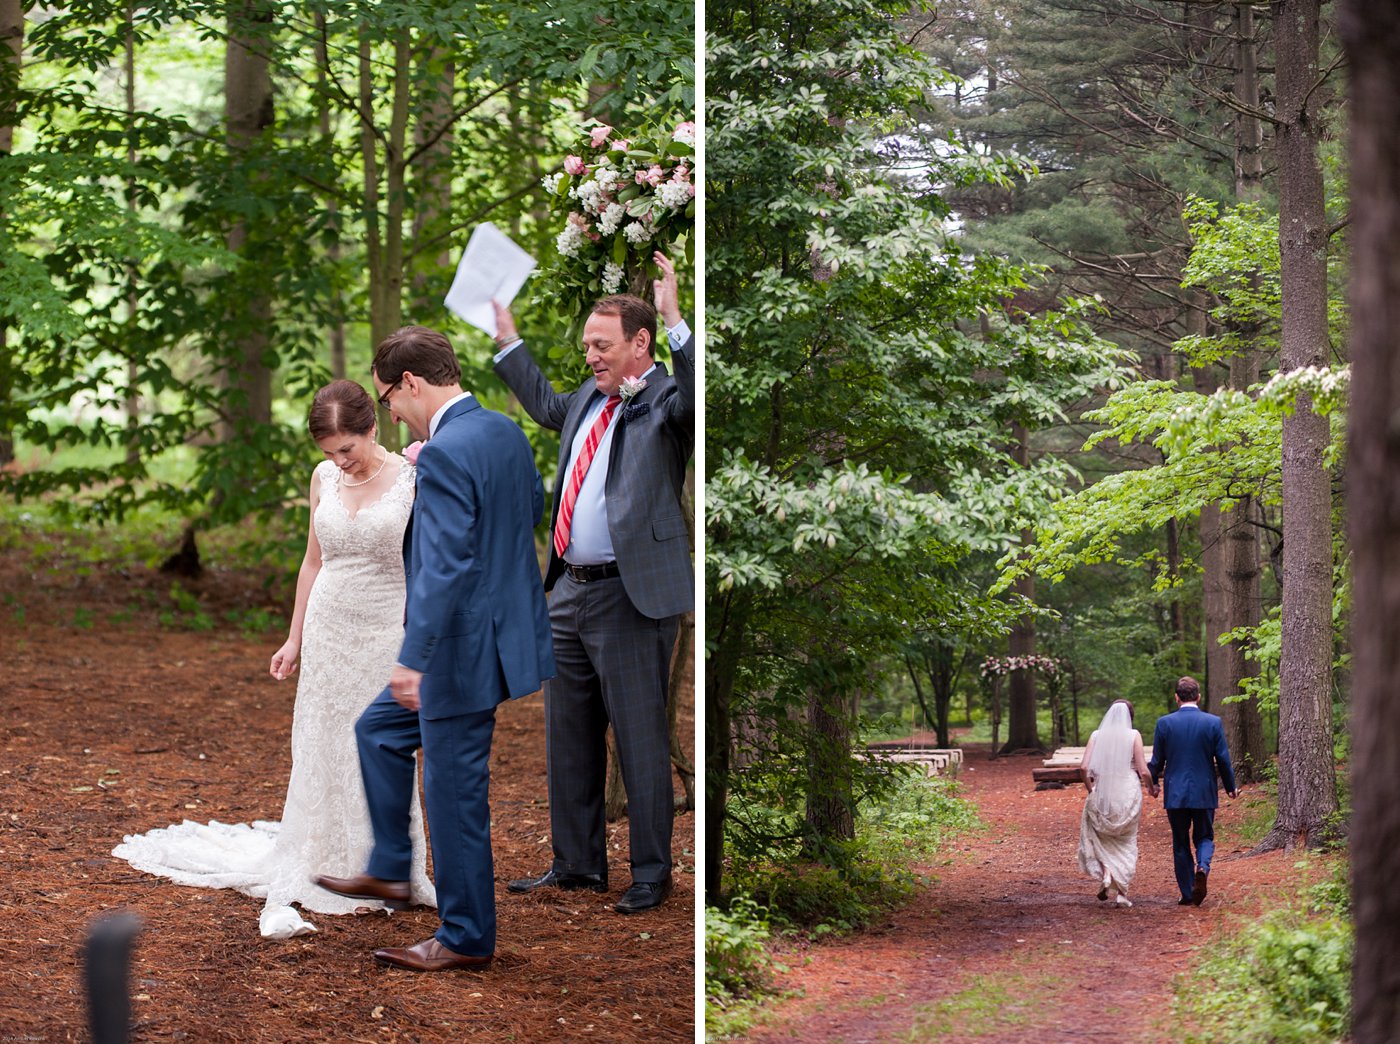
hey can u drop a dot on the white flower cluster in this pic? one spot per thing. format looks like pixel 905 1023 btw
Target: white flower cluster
pixel 610 218
pixel 612 277
pixel 674 194
pixel 570 241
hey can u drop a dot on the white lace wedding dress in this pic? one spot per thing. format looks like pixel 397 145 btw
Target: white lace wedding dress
pixel 1108 828
pixel 350 640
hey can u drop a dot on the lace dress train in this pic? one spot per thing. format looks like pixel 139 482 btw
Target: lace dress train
pixel 350 640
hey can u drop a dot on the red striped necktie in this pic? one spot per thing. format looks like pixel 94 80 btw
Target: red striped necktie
pixel 585 458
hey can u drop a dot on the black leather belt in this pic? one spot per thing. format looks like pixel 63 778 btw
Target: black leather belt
pixel 586 574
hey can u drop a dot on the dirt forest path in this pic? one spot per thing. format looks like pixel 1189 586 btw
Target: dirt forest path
pixel 1008 942
pixel 112 721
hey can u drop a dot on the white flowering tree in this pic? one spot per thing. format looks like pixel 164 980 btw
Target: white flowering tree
pixel 620 197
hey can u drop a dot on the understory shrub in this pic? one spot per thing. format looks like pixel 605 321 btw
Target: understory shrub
pixel 1286 978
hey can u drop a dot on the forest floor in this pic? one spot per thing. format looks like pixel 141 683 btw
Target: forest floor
pixel 1007 941
pixel 114 719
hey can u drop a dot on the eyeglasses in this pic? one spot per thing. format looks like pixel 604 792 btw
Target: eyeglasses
pixel 384 399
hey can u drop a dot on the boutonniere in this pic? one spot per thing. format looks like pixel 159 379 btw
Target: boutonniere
pixel 410 451
pixel 631 388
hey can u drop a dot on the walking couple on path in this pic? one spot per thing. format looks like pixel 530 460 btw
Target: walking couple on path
pixel 1189 759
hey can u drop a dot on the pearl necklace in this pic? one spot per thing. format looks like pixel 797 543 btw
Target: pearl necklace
pixel 382 461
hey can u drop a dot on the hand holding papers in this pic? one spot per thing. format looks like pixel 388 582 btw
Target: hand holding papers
pixel 492 268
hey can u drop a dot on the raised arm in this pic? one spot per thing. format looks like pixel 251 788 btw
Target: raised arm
pixel 667 292
pixel 524 377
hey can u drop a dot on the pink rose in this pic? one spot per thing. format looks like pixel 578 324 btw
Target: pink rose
pixel 622 144
pixel 575 166
pixel 600 134
pixel 411 451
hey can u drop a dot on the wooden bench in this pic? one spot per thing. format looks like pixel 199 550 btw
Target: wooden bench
pixel 934 759
pixel 1062 767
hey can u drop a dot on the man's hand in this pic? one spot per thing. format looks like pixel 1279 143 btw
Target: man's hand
pixel 668 298
pixel 1233 793
pixel 505 325
pixel 404 685
pixel 1154 790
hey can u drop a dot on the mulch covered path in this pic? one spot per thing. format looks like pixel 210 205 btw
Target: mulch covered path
pixel 112 723
pixel 1008 942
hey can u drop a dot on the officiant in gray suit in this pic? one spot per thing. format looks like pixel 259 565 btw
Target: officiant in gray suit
pixel 620 574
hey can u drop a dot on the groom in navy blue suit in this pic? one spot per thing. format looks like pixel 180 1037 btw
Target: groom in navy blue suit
pixel 1188 752
pixel 476 633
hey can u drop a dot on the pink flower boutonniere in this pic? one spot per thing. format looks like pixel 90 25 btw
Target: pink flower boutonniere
pixel 411 451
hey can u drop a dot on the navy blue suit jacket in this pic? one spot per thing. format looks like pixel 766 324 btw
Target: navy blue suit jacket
pixel 476 624
pixel 1188 748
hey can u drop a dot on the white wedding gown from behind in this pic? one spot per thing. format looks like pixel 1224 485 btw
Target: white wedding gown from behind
pixel 1108 829
pixel 350 639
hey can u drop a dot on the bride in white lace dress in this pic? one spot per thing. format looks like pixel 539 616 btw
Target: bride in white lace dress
pixel 346 629
pixel 1115 770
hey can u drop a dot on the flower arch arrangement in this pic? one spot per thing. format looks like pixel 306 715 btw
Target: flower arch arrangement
pixel 995 666
pixel 620 198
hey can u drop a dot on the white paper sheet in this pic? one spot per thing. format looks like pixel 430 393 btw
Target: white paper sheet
pixel 492 267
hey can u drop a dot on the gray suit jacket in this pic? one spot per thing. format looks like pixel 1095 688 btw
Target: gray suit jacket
pixel 646 473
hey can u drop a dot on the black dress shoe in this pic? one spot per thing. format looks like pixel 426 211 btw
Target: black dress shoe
pixel 559 879
pixel 1183 902
pixel 643 895
pixel 1198 889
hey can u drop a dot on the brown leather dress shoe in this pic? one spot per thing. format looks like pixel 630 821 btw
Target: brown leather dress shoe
pixel 393 894
pixel 428 955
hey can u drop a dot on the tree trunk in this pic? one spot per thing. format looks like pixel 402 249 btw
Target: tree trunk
pixel 830 800
pixel 682 667
pixel 1244 728
pixel 133 390
pixel 1371 32
pixel 336 336
pixel 1021 730
pixel 11 54
pixel 726 629
pixel 432 208
pixel 1307 792
pixel 384 231
pixel 247 115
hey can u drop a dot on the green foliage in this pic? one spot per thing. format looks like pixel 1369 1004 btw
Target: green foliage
pixel 1284 978
pixel 863 377
pixel 859 878
pixel 736 959
pixel 142 253
pixel 1215 449
pixel 186 614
